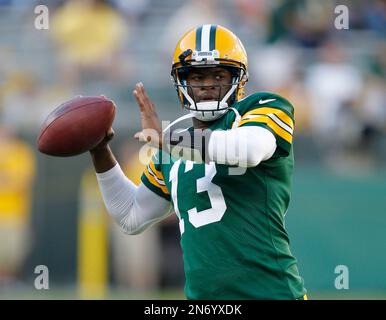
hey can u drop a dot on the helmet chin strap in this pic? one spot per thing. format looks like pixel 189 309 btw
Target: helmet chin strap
pixel 211 114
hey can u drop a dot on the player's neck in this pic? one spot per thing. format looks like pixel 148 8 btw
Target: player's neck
pixel 198 124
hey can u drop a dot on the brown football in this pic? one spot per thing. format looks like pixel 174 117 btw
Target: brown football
pixel 76 126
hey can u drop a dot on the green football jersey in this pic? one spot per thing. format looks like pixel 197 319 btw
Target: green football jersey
pixel 233 238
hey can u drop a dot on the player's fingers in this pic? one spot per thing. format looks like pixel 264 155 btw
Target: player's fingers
pixel 137 91
pixel 144 96
pixel 140 94
pixel 139 100
pixel 140 89
pixel 110 134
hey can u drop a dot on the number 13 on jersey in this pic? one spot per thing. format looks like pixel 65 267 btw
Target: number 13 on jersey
pixel 204 184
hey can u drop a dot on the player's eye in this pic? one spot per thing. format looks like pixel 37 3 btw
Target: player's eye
pixel 197 77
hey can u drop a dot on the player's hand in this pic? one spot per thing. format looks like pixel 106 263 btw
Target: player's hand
pixel 151 127
pixel 102 146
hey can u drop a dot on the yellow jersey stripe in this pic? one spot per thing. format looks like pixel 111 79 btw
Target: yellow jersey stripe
pixel 159 181
pixel 277 112
pixel 273 117
pixel 155 183
pixel 156 172
pixel 273 125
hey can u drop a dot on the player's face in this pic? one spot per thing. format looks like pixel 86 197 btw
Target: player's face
pixel 209 84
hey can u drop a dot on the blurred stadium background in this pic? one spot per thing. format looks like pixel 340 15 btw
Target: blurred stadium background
pixel 50 210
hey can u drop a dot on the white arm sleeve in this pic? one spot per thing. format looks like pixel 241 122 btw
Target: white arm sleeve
pixel 133 208
pixel 244 146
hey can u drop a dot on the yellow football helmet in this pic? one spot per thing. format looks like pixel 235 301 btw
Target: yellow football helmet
pixel 209 46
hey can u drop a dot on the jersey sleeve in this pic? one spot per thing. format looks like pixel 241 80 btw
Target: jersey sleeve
pixel 153 178
pixel 276 116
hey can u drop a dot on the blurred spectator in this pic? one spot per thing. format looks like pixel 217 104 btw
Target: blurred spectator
pixel 17 171
pixel 133 10
pixel 16 8
pixel 272 67
pixel 334 87
pixel 377 63
pixel 26 102
pixel 375 16
pixel 252 17
pixel 373 115
pixel 304 22
pixel 275 68
pixel 90 35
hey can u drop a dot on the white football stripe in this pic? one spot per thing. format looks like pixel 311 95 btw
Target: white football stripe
pixel 278 121
pixel 189 165
pixel 205 34
pixel 154 176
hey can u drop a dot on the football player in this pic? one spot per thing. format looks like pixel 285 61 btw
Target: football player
pixel 234 242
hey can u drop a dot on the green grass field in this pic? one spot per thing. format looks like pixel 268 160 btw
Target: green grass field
pixel 170 294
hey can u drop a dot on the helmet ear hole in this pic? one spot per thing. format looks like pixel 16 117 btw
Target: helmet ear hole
pixel 182 73
pixel 240 93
